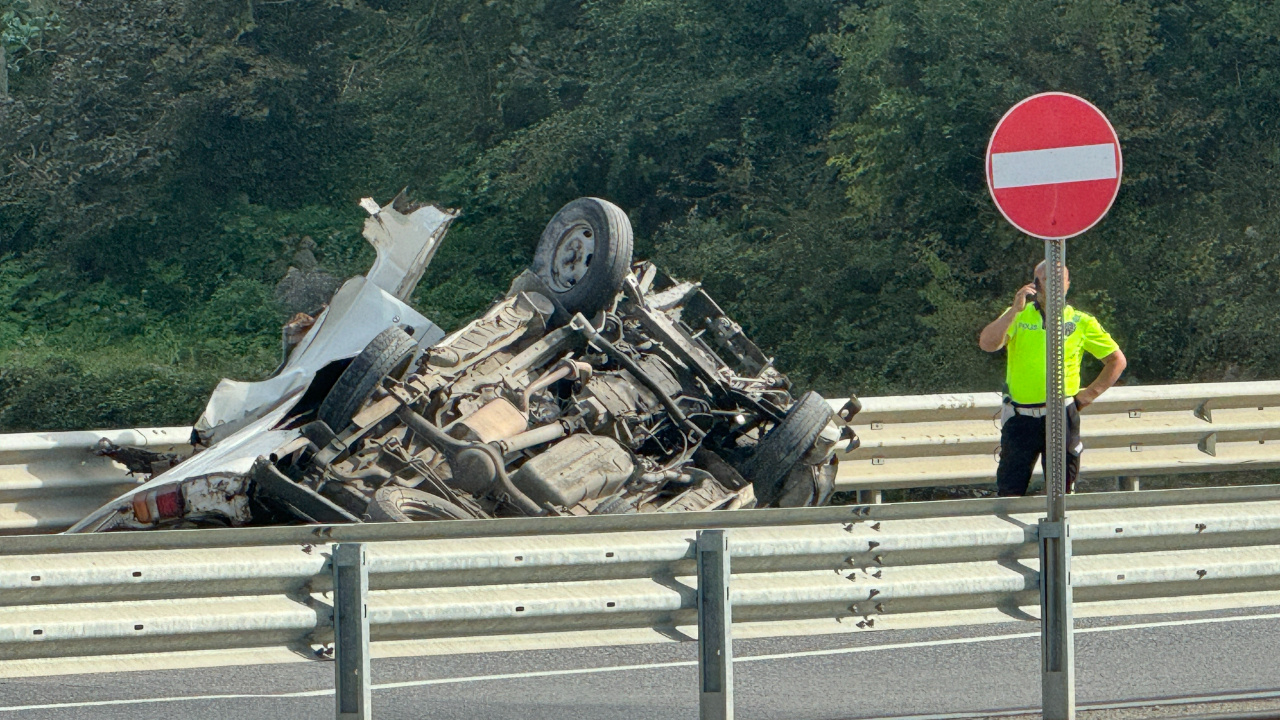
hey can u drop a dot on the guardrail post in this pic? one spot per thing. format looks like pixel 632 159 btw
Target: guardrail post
pixel 1129 482
pixel 870 497
pixel 715 622
pixel 351 632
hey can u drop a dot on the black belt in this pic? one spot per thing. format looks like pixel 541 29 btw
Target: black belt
pixel 1037 410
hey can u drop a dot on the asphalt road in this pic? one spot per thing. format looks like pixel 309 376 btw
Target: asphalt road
pixel 929 673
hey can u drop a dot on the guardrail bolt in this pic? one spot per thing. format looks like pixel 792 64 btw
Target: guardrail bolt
pixel 1201 573
pixel 1200 527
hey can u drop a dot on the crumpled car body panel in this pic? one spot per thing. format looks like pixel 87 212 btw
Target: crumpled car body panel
pixel 237 421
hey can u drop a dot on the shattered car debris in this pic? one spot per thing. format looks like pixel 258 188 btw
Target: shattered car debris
pixel 595 386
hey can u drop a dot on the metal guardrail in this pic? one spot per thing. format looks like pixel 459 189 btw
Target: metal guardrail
pixel 48 481
pixel 940 440
pixel 123 597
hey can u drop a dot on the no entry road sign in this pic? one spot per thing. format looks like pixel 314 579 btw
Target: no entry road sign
pixel 1053 165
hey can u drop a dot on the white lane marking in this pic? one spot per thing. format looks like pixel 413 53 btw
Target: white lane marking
pixel 965 715
pixel 142 701
pixel 1160 702
pixel 1053 165
pixel 533 674
pixel 1189 700
pixel 893 646
pixel 1177 623
pixel 691 663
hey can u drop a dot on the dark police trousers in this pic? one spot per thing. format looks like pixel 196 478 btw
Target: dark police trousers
pixel 1022 443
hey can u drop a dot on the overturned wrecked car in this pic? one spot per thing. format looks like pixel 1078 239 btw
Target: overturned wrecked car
pixel 595 386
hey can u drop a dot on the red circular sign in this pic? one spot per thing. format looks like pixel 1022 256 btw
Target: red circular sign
pixel 1053 165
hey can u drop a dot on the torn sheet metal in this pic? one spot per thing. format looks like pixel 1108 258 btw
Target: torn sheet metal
pixel 362 308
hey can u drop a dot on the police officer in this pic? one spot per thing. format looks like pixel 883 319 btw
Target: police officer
pixel 1021 329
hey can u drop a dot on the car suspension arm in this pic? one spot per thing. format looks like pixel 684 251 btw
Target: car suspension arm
pixel 582 325
pixel 477 466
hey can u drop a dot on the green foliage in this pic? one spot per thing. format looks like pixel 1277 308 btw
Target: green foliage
pixel 63 393
pixel 817 166
pixel 23 26
pixel 1181 269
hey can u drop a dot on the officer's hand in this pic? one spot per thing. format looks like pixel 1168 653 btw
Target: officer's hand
pixel 1020 297
pixel 1085 398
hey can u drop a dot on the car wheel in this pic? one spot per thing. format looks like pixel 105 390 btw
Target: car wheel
pixel 398 504
pixel 584 255
pixel 388 354
pixel 783 446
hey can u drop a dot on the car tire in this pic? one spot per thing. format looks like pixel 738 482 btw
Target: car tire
pixel 388 354
pixel 584 255
pixel 783 446
pixel 398 504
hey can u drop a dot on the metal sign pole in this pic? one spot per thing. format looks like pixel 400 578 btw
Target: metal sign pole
pixel 1057 644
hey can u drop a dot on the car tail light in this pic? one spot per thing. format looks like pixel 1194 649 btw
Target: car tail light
pixel 169 503
pixel 158 505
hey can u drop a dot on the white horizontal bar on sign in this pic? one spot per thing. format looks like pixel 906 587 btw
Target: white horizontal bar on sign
pixel 1053 165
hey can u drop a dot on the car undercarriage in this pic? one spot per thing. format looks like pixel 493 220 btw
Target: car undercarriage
pixel 596 385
